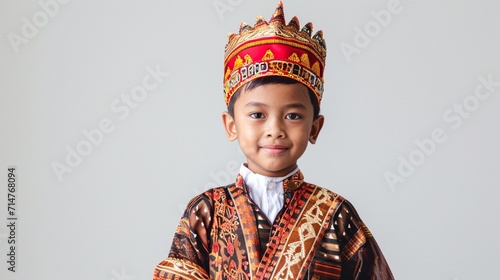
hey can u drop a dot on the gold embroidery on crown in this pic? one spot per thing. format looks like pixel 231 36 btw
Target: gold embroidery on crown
pixel 228 72
pixel 294 57
pixel 268 55
pixel 248 59
pixel 238 62
pixel 304 60
pixel 315 69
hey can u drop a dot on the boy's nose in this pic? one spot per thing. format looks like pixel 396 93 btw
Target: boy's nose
pixel 275 129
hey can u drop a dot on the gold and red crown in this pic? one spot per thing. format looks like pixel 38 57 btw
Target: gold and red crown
pixel 274 49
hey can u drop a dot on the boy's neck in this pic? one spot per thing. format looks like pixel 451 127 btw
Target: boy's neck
pixel 275 178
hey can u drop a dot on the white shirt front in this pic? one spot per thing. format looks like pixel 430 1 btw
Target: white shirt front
pixel 266 192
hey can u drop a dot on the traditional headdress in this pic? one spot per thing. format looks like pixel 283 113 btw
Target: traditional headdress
pixel 274 49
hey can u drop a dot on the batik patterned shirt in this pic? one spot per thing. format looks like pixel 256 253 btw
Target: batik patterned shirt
pixel 317 235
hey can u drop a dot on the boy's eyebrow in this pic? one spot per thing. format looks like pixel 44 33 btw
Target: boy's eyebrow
pixel 255 104
pixel 296 105
pixel 290 105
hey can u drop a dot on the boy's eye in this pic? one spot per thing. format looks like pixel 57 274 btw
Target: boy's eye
pixel 293 116
pixel 257 115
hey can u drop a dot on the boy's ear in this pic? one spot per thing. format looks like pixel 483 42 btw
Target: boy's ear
pixel 316 128
pixel 229 126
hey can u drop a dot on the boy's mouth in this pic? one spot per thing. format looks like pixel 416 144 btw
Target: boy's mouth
pixel 274 149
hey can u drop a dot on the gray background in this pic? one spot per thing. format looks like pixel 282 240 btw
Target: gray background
pixel 113 216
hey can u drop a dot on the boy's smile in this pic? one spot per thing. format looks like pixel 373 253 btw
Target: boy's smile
pixel 273 124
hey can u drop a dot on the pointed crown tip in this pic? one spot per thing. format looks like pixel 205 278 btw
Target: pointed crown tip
pixel 278 14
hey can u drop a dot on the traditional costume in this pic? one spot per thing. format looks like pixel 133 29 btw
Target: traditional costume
pixel 273 228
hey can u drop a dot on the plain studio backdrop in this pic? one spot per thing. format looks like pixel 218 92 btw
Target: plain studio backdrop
pixel 110 112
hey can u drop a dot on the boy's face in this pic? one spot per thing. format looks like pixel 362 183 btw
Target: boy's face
pixel 273 124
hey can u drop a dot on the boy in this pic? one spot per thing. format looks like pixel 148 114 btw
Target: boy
pixel 271 224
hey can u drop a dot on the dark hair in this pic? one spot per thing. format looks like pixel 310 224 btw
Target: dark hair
pixel 271 80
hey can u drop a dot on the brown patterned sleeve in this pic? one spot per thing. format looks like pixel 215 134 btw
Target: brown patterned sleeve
pixel 361 256
pixel 188 257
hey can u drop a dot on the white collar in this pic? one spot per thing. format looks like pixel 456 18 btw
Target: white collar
pixel 266 192
pixel 253 180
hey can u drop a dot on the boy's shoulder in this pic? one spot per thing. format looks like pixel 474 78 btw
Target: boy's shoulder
pixel 344 204
pixel 327 190
pixel 209 196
